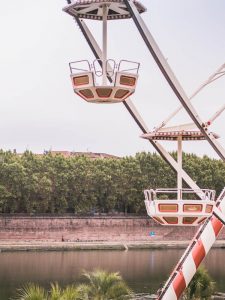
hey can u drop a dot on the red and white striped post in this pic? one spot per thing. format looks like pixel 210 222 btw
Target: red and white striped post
pixel 194 254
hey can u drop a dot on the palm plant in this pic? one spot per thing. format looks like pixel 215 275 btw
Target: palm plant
pixel 55 292
pixel 102 285
pixel 201 286
pixel 71 292
pixel 31 291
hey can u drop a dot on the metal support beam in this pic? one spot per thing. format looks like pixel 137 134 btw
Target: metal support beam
pixel 104 44
pixel 215 76
pixel 179 161
pixel 216 115
pixel 217 213
pixel 133 111
pixel 171 78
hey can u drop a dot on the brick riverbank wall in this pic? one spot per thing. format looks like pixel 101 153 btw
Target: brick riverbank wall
pixel 85 229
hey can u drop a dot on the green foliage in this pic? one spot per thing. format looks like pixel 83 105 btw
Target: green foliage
pixel 200 287
pixel 100 285
pixel 54 184
pixel 35 292
pixel 71 292
pixel 31 291
pixel 55 292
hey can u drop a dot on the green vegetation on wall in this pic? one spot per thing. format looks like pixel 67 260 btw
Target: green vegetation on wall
pixel 54 184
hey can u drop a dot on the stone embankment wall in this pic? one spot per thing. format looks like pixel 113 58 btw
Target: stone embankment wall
pixel 90 229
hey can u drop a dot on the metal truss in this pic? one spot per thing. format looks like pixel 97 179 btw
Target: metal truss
pixel 171 78
pixel 218 74
pixel 133 111
pixel 208 232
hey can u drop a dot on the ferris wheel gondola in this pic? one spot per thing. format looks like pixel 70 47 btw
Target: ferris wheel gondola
pixel 90 83
pixel 179 206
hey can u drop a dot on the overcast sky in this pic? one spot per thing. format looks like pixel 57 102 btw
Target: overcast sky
pixel 38 107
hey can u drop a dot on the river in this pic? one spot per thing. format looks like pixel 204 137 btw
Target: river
pixel 143 270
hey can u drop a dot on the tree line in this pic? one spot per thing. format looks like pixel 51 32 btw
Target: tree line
pixel 49 183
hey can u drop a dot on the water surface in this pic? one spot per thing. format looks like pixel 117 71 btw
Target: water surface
pixel 144 270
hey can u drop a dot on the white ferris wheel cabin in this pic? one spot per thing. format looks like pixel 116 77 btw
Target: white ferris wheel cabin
pixel 114 82
pixel 179 206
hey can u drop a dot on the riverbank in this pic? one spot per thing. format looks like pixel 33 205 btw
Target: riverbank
pixel 90 229
pixel 11 246
pixel 68 233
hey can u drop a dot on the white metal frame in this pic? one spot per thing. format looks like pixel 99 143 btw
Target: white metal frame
pixel 171 78
pixel 133 111
pixel 209 230
pixel 216 75
pixel 185 197
pixel 154 194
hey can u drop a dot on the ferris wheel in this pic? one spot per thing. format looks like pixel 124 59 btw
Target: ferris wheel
pixel 106 81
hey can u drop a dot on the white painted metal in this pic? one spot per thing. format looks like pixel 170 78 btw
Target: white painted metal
pixel 165 154
pixel 171 78
pixel 169 293
pixel 160 205
pixel 219 215
pixel 179 161
pixel 152 208
pixel 85 83
pixel 123 84
pixel 208 237
pixel 205 236
pixel 92 9
pixel 216 115
pixel 218 74
pixel 188 270
pixel 134 113
pixel 173 135
pixel 187 126
pixel 104 43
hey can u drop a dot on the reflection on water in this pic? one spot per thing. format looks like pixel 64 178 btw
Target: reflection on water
pixel 144 270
